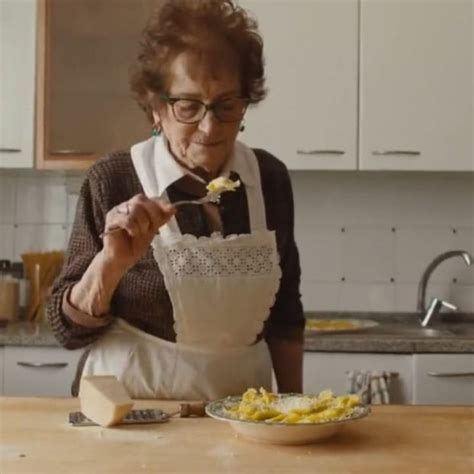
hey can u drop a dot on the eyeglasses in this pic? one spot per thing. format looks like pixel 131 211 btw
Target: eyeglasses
pixel 191 111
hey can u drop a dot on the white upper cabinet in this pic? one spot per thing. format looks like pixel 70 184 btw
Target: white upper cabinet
pixel 17 82
pixel 309 118
pixel 416 85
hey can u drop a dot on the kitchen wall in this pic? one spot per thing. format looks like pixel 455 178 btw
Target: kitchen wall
pixel 364 238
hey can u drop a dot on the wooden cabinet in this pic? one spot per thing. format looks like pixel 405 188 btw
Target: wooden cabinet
pixel 84 107
pixel 353 84
pixel 17 82
pixel 443 379
pixel 416 85
pixel 329 370
pixel 1 369
pixel 309 118
pixel 39 371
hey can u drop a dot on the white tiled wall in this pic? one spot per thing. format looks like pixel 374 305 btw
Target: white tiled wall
pixel 33 213
pixel 364 238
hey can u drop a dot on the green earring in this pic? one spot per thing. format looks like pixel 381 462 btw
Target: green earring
pixel 155 131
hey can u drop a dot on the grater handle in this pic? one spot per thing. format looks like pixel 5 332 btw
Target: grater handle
pixel 191 409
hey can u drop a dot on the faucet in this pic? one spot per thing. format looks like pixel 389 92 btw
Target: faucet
pixel 436 305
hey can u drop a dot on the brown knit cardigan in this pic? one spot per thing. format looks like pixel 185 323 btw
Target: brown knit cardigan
pixel 141 298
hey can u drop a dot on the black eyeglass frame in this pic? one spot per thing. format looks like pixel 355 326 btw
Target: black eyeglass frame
pixel 212 107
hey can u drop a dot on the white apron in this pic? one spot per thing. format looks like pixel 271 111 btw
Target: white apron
pixel 221 290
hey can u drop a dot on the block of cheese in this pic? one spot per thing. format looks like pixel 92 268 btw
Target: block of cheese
pixel 104 399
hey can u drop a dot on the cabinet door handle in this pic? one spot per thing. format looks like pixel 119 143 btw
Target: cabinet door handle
pixel 396 152
pixel 10 150
pixel 320 152
pixel 451 374
pixel 54 365
pixel 71 152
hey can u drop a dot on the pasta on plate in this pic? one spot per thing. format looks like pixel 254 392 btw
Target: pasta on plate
pixel 293 409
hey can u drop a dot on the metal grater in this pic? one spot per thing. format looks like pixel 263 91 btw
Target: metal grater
pixel 134 417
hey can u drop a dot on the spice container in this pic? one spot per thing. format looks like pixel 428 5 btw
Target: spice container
pixel 9 293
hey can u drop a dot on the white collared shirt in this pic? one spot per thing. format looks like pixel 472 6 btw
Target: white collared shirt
pixel 168 170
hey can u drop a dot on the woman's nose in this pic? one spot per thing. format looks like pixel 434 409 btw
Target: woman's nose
pixel 208 122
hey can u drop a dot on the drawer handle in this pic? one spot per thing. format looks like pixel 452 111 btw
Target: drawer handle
pixel 53 365
pixel 10 150
pixel 396 152
pixel 451 374
pixel 71 152
pixel 320 152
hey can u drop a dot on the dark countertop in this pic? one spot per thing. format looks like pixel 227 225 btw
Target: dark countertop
pixel 24 333
pixel 396 333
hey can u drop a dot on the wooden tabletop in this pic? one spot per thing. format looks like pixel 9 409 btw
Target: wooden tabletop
pixel 35 437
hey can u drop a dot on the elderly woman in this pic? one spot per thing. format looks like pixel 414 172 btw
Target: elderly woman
pixel 191 301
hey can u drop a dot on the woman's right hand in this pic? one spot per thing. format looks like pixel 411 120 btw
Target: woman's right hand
pixel 140 219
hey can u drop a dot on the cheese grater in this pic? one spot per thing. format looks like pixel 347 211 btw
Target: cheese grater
pixel 134 417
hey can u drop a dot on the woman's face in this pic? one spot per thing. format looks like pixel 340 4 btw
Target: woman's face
pixel 206 145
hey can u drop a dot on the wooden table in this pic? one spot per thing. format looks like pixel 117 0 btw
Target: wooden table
pixel 35 437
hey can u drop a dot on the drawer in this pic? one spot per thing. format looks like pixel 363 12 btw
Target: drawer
pixel 443 379
pixel 328 370
pixel 39 371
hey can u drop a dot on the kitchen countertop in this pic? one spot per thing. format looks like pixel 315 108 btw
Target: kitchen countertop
pixel 392 439
pixel 24 333
pixel 396 333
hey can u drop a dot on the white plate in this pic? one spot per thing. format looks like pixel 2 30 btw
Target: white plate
pixel 355 325
pixel 280 433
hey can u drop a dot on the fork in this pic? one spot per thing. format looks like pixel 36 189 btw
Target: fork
pixel 209 197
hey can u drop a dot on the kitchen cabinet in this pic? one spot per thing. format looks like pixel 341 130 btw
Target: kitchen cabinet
pixel 443 379
pixel 416 85
pixel 1 369
pixel 391 78
pixel 353 84
pixel 17 84
pixel 39 371
pixel 421 379
pixel 309 118
pixel 84 107
pixel 329 370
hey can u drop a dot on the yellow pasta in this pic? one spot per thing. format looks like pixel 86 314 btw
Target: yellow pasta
pixel 329 324
pixel 269 407
pixel 221 184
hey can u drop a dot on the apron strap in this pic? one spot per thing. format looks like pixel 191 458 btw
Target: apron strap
pixel 171 227
pixel 256 203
